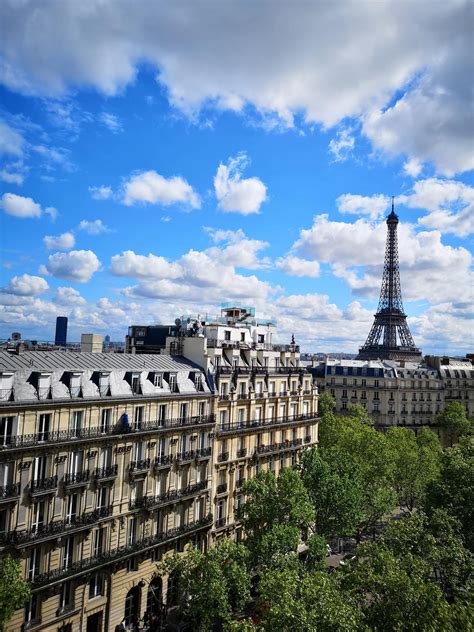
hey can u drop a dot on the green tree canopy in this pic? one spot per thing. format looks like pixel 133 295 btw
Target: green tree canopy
pixel 454 420
pixel 14 591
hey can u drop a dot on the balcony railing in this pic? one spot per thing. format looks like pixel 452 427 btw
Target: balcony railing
pixel 110 471
pixel 263 423
pixel 223 397
pixel 93 433
pixel 43 485
pixel 9 491
pixel 185 455
pixel 119 553
pixel 222 488
pixel 307 439
pixel 55 528
pixel 163 460
pixel 142 465
pixel 242 396
pixel 241 453
pixel 221 522
pixel 278 447
pixel 223 456
pixel 203 453
pixel 149 502
pixel 76 478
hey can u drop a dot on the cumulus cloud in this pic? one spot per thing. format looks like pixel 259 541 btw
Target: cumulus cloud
pixel 236 194
pixel 328 70
pixel 11 177
pixel 342 145
pixel 413 167
pixel 131 265
pixel 19 206
pixel 77 265
pixel 94 227
pixel 68 296
pixel 26 285
pixel 450 205
pixel 374 206
pixel 101 192
pixel 149 187
pixel 66 241
pixel 295 266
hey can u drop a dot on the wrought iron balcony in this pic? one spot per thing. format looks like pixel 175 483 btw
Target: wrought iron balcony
pixel 241 453
pixel 222 488
pixel 93 433
pixel 185 456
pixel 163 460
pixel 142 465
pixel 56 528
pixel 278 447
pixel 307 439
pixel 76 478
pixel 108 472
pixel 9 492
pixel 150 502
pixel 223 456
pixel 203 453
pixel 44 485
pixel 118 554
pixel 221 522
pixel 223 397
pixel 242 396
pixel 293 392
pixel 264 423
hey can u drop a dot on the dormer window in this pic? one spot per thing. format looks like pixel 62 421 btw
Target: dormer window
pixel 158 380
pixel 198 382
pixel 135 383
pixel 173 383
pixel 75 384
pixel 104 384
pixel 44 386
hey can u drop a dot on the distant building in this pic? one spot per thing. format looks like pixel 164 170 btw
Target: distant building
pixel 60 337
pixel 91 343
pixel 148 338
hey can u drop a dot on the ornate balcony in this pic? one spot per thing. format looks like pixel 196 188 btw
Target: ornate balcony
pixel 241 453
pixel 56 528
pixel 163 460
pixel 139 467
pixel 76 479
pixel 223 456
pixel 118 554
pixel 204 453
pixel 93 433
pixel 278 447
pixel 185 456
pixel 106 473
pixel 249 426
pixel 222 488
pixel 9 492
pixel 150 502
pixel 44 485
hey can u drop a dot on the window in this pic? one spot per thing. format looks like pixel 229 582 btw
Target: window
pixel 162 413
pixel 105 420
pixel 242 336
pixel 6 472
pixel 72 507
pixel 102 497
pixel 135 384
pixel 32 609
pixel 222 418
pixel 172 383
pixel 105 457
pixel 6 430
pixel 139 416
pixel 158 380
pixel 261 338
pixel 76 423
pixel 198 382
pixel 139 450
pixel 271 388
pixel 241 417
pixel 227 335
pixel 43 427
pixel 96 585
pixel 76 460
pixel 259 388
pixel 3 520
pixel 98 542
pixel 40 467
pixel 376 383
pixel 38 515
pixel 183 412
pixel 132 531
pixel 68 552
pixel 34 563
pixel 66 596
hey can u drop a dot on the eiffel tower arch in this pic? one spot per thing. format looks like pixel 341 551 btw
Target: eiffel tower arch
pixel 390 337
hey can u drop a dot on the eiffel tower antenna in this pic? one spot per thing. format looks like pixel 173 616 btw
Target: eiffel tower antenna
pixel 390 337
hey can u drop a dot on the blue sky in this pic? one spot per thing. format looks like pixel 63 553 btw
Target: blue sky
pixel 150 169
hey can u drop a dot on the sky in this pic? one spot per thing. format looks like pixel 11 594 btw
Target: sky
pixel 159 159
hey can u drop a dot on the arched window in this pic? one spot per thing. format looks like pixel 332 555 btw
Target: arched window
pixel 132 604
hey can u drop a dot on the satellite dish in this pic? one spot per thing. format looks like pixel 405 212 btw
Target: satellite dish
pixel 177 322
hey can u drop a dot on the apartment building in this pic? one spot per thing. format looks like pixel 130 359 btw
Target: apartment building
pixel 398 393
pixel 110 462
pixel 105 462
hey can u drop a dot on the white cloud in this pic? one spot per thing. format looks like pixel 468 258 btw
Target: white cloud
pixel 11 141
pixel 413 167
pixel 68 296
pixel 77 265
pixel 294 266
pixel 10 177
pixel 236 194
pixel 112 122
pixel 328 70
pixel 342 146
pixel 26 285
pixel 101 192
pixel 19 206
pixel 52 212
pixel 66 241
pixel 54 156
pixel 450 205
pixel 94 227
pixel 374 206
pixel 237 250
pixel 131 265
pixel 150 187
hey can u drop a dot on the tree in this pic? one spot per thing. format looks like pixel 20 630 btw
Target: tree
pixel 275 515
pixel 294 599
pixel 416 463
pixel 453 490
pixel 454 420
pixel 326 403
pixel 14 590
pixel 211 585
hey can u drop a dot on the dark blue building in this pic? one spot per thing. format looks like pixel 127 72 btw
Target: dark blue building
pixel 60 337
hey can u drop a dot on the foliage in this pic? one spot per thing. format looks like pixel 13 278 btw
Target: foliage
pixel 453 490
pixel 326 403
pixel 275 514
pixel 14 591
pixel 298 600
pixel 454 420
pixel 416 463
pixel 316 552
pixel 210 585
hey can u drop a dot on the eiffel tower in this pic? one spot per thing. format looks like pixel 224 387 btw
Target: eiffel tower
pixel 390 338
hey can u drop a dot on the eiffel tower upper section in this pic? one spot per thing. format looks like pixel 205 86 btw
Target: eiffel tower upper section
pixel 390 338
